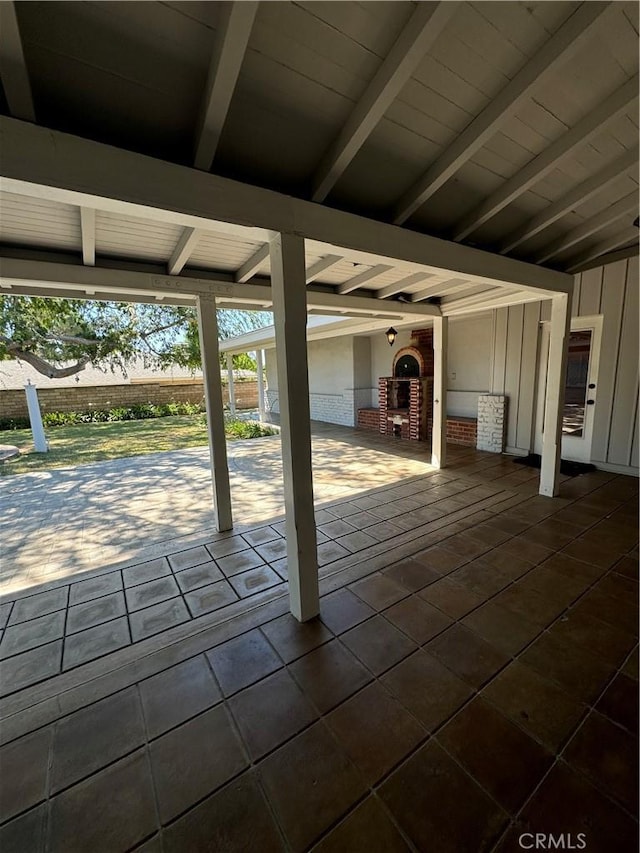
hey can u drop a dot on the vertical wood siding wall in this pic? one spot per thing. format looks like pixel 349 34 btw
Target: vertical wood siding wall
pixel 611 291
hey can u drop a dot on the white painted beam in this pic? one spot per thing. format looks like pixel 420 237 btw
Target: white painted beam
pixel 13 68
pixel 440 288
pixel 560 328
pixel 556 51
pixel 579 135
pixel 260 374
pixel 508 298
pixel 574 198
pixel 231 42
pixel 363 277
pixel 88 235
pixel 42 163
pixel 290 316
pixel 413 43
pixel 251 267
pixel 625 238
pixel 231 385
pixel 626 206
pixel 208 332
pixel 184 248
pixel 439 426
pixel 402 283
pixel 316 270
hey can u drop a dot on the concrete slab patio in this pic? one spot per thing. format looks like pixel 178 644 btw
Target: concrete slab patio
pixel 68 520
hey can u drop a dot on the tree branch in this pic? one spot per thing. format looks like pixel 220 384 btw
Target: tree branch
pixel 43 366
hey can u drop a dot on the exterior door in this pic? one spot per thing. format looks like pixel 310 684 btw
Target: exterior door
pixel 581 387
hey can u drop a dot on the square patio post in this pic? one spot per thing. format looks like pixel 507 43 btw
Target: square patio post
pixel 260 372
pixel 289 293
pixel 210 355
pixel 439 424
pixel 232 388
pixel 554 399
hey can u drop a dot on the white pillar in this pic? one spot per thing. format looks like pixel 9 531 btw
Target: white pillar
pixel 554 402
pixel 210 354
pixel 35 419
pixel 232 389
pixel 288 286
pixel 439 428
pixel 260 371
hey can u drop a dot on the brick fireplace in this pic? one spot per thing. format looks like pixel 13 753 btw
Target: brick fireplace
pixel 406 397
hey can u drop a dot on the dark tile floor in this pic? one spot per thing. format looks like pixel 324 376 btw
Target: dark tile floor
pixel 484 688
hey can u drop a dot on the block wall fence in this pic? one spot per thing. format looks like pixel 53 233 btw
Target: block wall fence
pixel 13 403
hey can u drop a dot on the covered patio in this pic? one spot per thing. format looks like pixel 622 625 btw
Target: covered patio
pixel 446 661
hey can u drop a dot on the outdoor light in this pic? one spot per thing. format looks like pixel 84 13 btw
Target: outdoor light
pixel 391 335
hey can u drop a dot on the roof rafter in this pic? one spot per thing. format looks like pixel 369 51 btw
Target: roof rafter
pixel 616 242
pixel 574 198
pixel 250 267
pixel 401 284
pixel 183 250
pixel 504 300
pixel 421 31
pixel 558 49
pixel 588 127
pixel 231 42
pixel 13 68
pixel 627 204
pixel 363 278
pixel 320 266
pixel 452 285
pixel 88 235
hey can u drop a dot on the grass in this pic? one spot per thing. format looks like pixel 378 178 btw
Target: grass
pixel 85 443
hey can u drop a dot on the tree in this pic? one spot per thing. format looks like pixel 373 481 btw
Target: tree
pixel 59 337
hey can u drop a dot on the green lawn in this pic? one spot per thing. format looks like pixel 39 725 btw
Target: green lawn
pixel 79 445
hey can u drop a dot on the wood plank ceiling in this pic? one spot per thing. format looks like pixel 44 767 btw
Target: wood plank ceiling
pixel 510 126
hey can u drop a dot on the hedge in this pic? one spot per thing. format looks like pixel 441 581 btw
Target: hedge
pixel 140 411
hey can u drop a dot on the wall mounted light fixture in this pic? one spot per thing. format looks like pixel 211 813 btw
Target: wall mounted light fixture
pixel 391 335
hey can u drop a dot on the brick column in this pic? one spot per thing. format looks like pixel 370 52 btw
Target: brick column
pixel 492 422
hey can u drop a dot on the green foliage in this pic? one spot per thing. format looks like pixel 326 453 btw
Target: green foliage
pixel 50 333
pixel 138 412
pixel 236 428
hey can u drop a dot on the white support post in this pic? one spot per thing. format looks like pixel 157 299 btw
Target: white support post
pixel 290 319
pixel 232 388
pixel 439 428
pixel 35 419
pixel 554 403
pixel 260 372
pixel 210 354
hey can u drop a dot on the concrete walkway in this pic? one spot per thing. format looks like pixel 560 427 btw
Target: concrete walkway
pixel 57 523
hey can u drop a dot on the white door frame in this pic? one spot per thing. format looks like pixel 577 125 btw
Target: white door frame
pixel 575 449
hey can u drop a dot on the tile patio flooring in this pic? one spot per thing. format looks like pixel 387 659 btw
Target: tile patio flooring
pixel 473 676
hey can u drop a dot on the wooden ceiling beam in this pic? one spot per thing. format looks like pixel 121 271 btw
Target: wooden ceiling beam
pixel 13 68
pixel 579 135
pixel 230 46
pixel 628 205
pixel 88 235
pixel 410 48
pixel 183 250
pixel 557 50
